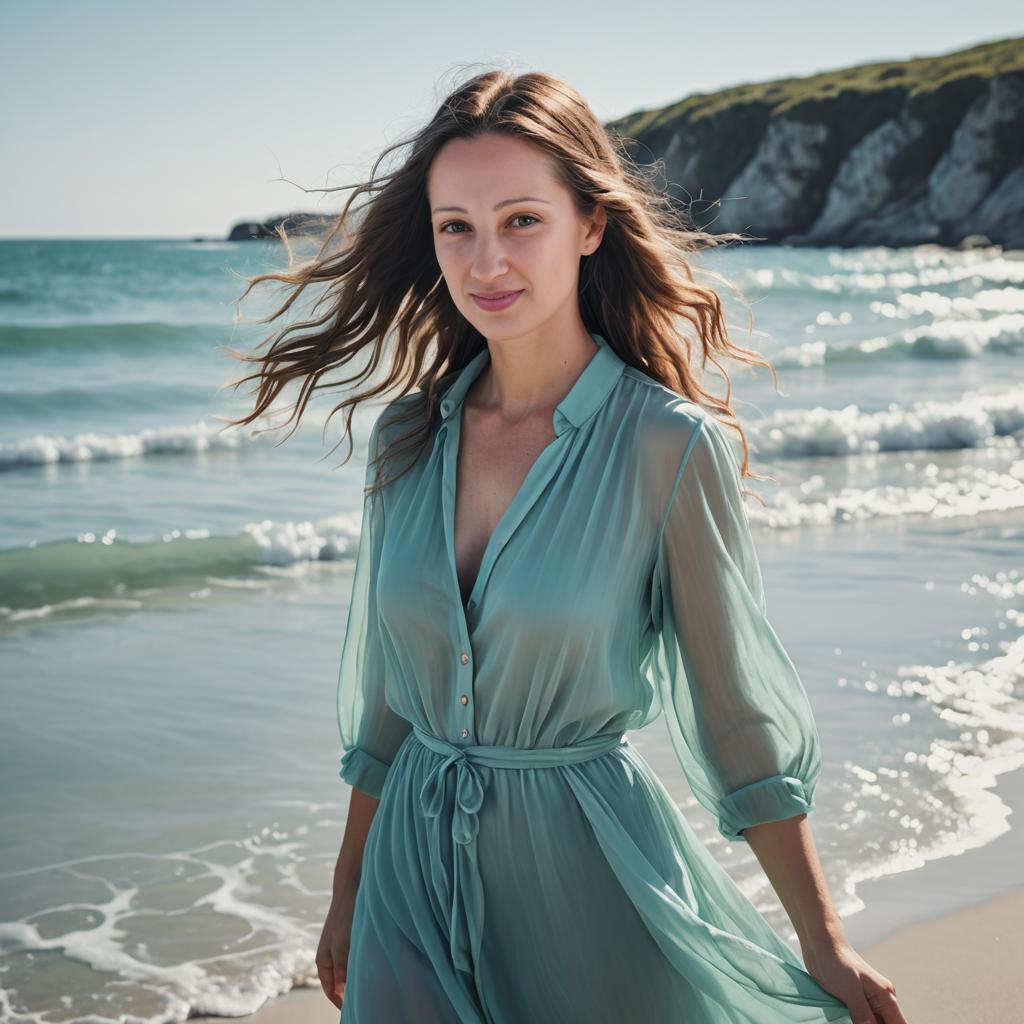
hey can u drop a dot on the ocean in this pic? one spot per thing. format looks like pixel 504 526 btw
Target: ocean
pixel 173 600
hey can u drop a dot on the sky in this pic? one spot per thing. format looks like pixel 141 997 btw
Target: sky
pixel 179 119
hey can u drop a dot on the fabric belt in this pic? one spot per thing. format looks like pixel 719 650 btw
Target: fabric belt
pixel 463 898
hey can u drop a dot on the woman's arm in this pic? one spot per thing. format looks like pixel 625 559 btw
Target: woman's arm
pixel 349 867
pixel 335 938
pixel 787 853
pixel 790 860
pixel 739 716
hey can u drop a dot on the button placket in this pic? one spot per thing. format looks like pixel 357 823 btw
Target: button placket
pixel 463 688
pixel 466 681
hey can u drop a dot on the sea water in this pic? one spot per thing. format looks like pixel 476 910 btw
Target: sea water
pixel 173 600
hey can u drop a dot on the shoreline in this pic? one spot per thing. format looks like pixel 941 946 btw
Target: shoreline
pixel 949 935
pixel 948 885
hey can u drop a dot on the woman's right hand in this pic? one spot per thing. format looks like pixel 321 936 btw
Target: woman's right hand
pixel 332 953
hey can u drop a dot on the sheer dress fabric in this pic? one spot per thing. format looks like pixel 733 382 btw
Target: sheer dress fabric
pixel 525 864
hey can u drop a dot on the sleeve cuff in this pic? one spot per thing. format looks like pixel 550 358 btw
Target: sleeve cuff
pixel 363 771
pixel 772 799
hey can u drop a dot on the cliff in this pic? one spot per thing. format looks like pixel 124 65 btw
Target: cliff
pixel 925 150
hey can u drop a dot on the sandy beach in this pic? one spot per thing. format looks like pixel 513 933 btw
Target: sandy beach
pixel 959 967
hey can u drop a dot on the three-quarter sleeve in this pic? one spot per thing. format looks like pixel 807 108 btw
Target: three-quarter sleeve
pixel 370 730
pixel 738 715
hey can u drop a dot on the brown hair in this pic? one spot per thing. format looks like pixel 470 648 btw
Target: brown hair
pixel 633 289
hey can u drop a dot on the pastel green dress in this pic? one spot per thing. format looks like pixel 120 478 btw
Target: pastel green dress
pixel 525 865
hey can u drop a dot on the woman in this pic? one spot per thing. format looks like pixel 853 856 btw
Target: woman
pixel 560 555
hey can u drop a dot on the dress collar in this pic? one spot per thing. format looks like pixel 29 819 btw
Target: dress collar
pixel 590 389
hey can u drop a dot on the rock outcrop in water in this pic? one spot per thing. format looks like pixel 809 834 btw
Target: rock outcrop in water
pixel 926 150
pixel 293 222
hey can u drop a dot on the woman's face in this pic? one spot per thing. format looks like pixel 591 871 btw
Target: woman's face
pixel 503 223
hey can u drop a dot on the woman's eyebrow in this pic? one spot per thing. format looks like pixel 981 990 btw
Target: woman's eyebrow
pixel 497 206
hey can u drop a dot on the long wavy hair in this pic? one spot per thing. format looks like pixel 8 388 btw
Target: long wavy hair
pixel 637 289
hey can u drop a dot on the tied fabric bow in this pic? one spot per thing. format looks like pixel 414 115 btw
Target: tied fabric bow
pixel 463 902
pixel 462 899
pixel 469 795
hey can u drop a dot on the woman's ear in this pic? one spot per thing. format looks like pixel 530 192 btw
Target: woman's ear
pixel 596 224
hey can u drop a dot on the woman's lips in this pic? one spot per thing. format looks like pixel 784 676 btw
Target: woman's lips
pixel 496 300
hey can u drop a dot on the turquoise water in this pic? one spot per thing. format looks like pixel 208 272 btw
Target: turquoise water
pixel 172 600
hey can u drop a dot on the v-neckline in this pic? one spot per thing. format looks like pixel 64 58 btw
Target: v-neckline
pixel 501 528
pixel 588 391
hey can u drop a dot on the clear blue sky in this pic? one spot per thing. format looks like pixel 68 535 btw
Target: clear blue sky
pixel 165 119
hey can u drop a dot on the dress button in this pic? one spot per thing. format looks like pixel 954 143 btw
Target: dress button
pixel 464 658
pixel 465 732
pixel 464 699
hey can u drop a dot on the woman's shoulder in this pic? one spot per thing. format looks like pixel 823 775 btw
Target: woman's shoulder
pixel 666 422
pixel 395 414
pixel 674 438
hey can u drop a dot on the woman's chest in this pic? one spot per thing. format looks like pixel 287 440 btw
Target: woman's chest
pixel 568 553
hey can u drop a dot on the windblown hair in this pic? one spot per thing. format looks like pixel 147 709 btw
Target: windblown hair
pixel 637 289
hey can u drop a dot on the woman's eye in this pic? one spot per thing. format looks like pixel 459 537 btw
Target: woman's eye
pixel 459 223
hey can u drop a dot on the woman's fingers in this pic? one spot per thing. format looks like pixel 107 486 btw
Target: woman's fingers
pixel 882 999
pixel 325 972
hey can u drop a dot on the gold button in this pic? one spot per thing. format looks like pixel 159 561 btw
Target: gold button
pixel 465 732
pixel 465 658
pixel 464 699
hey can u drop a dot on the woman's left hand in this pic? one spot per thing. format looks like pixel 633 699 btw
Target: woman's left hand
pixel 843 972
